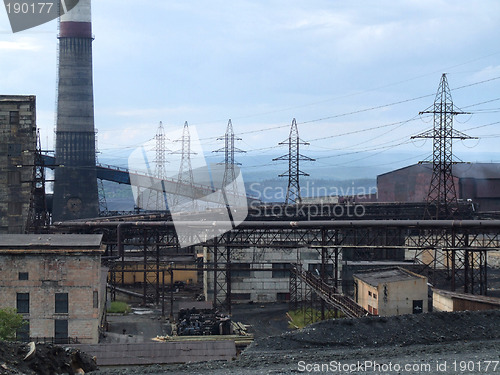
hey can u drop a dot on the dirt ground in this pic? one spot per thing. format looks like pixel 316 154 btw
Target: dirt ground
pixel 46 360
pixel 434 343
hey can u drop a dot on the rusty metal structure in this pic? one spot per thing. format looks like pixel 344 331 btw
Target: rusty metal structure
pixel 474 238
pixel 38 215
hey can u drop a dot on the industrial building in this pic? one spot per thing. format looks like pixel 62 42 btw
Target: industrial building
pixel 444 300
pixel 477 182
pixel 18 135
pixel 393 291
pixel 263 275
pixel 56 283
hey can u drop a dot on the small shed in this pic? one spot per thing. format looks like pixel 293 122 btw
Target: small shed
pixel 391 291
pixel 444 300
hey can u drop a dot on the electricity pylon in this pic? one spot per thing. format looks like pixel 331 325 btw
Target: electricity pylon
pixel 294 157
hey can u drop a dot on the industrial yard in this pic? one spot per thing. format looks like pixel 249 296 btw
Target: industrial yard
pixel 335 218
pixel 416 340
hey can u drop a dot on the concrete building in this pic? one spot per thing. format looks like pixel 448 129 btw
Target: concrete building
pixel 272 282
pixel 55 281
pixel 393 291
pixel 478 182
pixel 444 300
pixel 17 146
pixel 75 185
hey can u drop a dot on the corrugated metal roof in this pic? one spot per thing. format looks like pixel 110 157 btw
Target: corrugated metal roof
pixel 50 240
pixel 383 276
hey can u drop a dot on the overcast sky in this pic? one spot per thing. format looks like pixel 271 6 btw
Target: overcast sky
pixel 262 63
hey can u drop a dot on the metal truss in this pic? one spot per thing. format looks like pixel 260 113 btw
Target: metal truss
pixel 461 248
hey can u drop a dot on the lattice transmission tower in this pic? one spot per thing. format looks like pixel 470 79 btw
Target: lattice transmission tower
pixel 442 202
pixel 185 179
pixel 229 150
pixel 156 199
pixel 294 157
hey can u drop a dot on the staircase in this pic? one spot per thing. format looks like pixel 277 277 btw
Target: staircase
pixel 329 293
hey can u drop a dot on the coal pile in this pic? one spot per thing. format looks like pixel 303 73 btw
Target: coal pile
pixel 202 322
pixel 47 359
pixel 404 330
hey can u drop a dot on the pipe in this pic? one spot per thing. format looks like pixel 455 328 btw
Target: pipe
pixel 293 224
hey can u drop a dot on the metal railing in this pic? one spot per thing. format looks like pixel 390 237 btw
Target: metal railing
pixel 329 293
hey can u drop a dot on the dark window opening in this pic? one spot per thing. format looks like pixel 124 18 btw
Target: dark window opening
pixel 96 299
pixel 23 275
pixel 283 297
pixel 23 333
pixel 315 268
pixel 14 117
pixel 281 270
pixel 61 303
pixel 14 149
pixel 240 296
pixel 23 303
pixel 13 178
pixel 15 208
pixel 61 331
pixel 240 269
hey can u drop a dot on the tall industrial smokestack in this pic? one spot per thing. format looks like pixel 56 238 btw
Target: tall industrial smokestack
pixel 75 186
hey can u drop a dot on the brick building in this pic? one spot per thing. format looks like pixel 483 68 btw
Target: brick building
pixel 55 281
pixel 17 146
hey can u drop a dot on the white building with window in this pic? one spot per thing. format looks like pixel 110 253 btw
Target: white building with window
pixel 55 281
pixel 262 274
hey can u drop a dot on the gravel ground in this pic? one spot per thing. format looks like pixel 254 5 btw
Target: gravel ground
pixel 435 343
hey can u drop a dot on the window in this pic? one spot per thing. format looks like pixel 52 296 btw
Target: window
pixel 369 293
pixel 14 117
pixel 315 268
pixel 23 275
pixel 240 269
pixel 375 295
pixel 240 296
pixel 282 297
pixel 370 309
pixel 375 311
pixel 15 208
pixel 96 299
pixel 23 303
pixel 23 333
pixel 281 270
pixel 14 178
pixel 61 303
pixel 60 331
pixel 14 149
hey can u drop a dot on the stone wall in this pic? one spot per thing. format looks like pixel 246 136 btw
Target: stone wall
pixel 17 145
pixel 77 274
